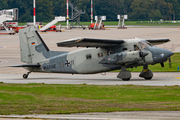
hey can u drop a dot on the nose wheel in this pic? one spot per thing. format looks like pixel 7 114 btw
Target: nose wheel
pixel 25 76
pixel 146 73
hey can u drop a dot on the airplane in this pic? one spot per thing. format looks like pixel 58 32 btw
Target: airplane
pixel 97 56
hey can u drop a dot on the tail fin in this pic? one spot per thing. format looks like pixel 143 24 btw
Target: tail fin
pixel 32 47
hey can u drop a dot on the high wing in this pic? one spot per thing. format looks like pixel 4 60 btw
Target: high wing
pixel 89 42
pixel 158 41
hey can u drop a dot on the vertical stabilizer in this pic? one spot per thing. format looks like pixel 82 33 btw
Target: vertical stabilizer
pixel 32 47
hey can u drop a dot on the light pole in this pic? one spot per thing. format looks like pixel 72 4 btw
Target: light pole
pixel 67 18
pixel 34 12
pixel 91 11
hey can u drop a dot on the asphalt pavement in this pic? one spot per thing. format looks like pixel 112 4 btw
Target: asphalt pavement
pixel 139 115
pixel 159 79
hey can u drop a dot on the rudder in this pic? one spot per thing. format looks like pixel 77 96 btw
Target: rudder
pixel 32 47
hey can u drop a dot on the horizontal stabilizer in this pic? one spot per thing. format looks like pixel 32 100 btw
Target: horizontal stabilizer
pixel 27 65
pixel 90 42
pixel 158 41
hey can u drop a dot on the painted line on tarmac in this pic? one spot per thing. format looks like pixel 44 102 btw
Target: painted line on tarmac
pixel 177 77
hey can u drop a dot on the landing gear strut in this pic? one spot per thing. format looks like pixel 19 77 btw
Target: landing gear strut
pixel 146 73
pixel 125 75
pixel 25 76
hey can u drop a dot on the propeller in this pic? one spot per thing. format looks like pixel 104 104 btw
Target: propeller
pixel 170 65
pixel 162 64
pixel 172 49
pixel 169 59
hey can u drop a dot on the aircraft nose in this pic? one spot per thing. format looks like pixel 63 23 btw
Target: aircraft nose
pixel 160 55
pixel 168 53
pixel 164 54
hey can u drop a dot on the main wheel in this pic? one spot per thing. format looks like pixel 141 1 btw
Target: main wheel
pixel 126 79
pixel 25 76
pixel 148 78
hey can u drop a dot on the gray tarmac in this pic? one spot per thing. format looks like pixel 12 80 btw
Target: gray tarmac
pixel 142 115
pixel 10 55
pixel 159 79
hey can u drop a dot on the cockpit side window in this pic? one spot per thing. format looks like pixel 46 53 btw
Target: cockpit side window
pixel 143 44
pixel 100 54
pixel 136 48
pixel 88 56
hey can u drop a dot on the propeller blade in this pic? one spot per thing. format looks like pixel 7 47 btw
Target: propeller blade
pixel 170 65
pixel 162 64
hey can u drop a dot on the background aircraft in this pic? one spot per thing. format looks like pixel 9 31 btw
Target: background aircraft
pixel 99 55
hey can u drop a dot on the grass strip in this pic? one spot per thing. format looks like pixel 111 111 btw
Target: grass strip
pixel 65 99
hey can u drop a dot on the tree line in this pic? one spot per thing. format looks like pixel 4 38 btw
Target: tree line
pixel 46 10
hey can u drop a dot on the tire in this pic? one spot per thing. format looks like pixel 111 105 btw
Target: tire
pixel 149 78
pixel 126 79
pixel 25 76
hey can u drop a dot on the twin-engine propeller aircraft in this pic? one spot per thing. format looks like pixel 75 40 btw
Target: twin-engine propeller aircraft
pixel 99 55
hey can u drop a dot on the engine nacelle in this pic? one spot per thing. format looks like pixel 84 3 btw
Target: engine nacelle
pixel 122 58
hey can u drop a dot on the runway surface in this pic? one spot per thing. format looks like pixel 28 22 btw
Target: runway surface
pixel 147 115
pixel 159 79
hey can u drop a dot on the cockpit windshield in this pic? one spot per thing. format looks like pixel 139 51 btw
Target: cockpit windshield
pixel 144 44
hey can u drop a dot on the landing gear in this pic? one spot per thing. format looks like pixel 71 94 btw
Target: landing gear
pixel 146 73
pixel 125 75
pixel 25 76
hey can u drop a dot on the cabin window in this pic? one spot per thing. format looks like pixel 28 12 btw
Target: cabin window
pixel 124 49
pixel 88 56
pixel 111 52
pixel 100 54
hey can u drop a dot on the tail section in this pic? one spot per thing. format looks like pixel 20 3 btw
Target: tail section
pixel 32 47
